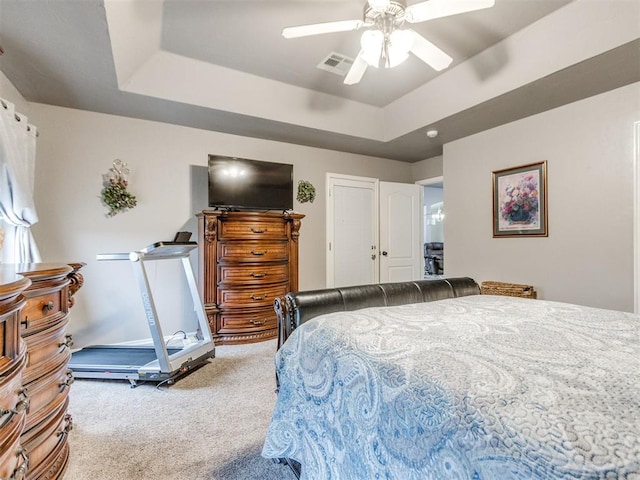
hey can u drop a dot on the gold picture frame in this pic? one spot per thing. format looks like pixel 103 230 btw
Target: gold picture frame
pixel 520 201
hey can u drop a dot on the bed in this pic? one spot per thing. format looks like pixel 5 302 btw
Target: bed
pixel 431 380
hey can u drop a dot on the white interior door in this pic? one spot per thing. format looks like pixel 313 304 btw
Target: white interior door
pixel 352 230
pixel 400 232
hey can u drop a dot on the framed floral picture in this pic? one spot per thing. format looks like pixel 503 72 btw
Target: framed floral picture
pixel 520 201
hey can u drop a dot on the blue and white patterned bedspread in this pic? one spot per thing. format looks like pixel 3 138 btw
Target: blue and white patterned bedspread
pixel 479 387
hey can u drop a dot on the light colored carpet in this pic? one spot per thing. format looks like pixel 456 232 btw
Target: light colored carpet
pixel 209 425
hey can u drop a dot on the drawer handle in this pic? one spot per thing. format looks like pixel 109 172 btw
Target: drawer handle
pixel 258 230
pixel 67 427
pixel 3 412
pixel 264 252
pixel 258 275
pixel 21 470
pixel 68 341
pixel 47 307
pixel 23 400
pixel 257 323
pixel 25 323
pixel 21 405
pixel 257 298
pixel 67 383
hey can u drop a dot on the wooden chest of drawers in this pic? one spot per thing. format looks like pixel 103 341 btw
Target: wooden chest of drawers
pixel 246 259
pixel 46 379
pixel 43 323
pixel 13 399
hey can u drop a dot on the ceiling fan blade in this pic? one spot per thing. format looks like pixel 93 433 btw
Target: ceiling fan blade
pixel 423 11
pixel 429 53
pixel 320 28
pixel 356 71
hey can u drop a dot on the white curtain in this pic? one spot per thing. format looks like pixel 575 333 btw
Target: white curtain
pixel 17 170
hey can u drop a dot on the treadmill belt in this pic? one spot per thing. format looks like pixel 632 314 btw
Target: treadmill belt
pixel 116 358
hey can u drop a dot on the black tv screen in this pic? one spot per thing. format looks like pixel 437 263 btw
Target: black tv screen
pixel 239 183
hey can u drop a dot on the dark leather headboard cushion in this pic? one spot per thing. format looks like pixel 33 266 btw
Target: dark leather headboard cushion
pixel 299 307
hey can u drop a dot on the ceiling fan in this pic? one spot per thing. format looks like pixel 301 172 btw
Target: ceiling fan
pixel 386 41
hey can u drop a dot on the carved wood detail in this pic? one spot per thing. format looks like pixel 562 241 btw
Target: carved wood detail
pixel 211 229
pixel 76 280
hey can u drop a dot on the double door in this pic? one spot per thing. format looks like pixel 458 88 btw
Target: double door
pixel 373 231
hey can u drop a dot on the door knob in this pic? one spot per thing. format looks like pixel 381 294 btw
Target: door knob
pixel 384 253
pixel 373 257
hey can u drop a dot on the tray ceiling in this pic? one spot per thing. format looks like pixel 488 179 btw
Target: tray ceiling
pixel 224 66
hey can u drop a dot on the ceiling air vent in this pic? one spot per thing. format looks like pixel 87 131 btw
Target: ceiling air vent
pixel 336 63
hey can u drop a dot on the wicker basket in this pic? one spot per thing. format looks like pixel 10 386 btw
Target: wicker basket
pixel 508 289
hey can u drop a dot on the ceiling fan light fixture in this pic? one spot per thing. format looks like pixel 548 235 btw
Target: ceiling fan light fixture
pixel 432 9
pixel 395 58
pixel 372 42
pixel 398 47
pixel 386 38
pixel 379 5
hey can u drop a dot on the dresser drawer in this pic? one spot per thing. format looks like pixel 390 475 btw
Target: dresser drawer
pixel 53 364
pixel 13 458
pixel 13 397
pixel 13 410
pixel 252 274
pixel 254 251
pixel 41 310
pixel 257 296
pixel 46 395
pixel 262 319
pixel 45 344
pixel 10 340
pixel 252 229
pixel 42 442
pixel 55 465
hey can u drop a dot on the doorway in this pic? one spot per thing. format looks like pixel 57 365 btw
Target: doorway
pixel 433 226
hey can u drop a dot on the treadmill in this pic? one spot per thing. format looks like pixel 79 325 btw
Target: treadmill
pixel 157 363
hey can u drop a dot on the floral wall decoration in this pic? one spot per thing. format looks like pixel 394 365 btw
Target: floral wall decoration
pixel 115 194
pixel 520 201
pixel 306 192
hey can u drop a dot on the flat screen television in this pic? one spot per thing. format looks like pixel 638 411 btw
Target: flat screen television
pixel 239 183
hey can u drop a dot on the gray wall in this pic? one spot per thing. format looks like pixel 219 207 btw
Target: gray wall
pixel 586 259
pixel 168 176
pixel 429 168
pixel 588 256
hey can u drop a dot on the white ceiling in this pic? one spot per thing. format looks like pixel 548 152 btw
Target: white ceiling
pixel 223 66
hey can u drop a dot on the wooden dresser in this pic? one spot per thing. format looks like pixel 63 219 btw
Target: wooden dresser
pixel 246 260
pixel 13 399
pixel 37 398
